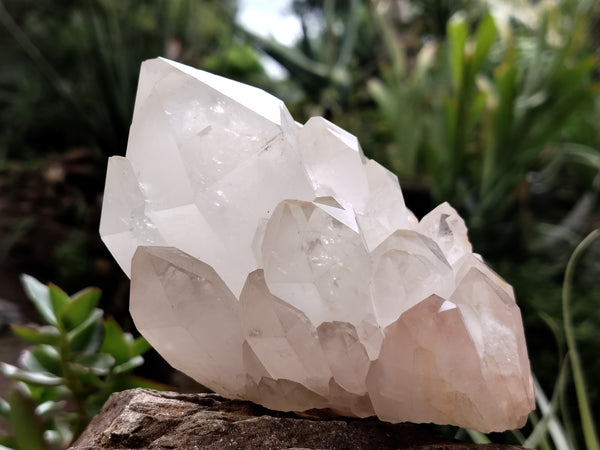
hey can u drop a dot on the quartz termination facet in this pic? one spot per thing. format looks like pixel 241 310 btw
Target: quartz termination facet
pixel 273 262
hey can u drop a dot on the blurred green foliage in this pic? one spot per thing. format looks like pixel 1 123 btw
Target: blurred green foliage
pixel 67 85
pixel 467 114
pixel 76 361
pixel 485 106
pixel 70 69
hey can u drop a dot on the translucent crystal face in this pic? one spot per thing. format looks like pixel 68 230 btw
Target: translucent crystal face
pixel 274 262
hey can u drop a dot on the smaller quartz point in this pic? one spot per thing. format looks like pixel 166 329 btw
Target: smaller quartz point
pixel 347 356
pixel 274 262
pixel 439 361
pixel 317 263
pixel 128 225
pixel 182 306
pixel 385 211
pixel 448 229
pixel 415 259
pixel 344 175
pixel 281 337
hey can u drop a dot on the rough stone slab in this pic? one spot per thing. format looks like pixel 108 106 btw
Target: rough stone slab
pixel 142 418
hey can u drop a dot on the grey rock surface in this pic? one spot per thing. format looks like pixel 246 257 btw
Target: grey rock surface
pixel 146 419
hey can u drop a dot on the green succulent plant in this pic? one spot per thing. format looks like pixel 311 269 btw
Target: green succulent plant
pixel 76 360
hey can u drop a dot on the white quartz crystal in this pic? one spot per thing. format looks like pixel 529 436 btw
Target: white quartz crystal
pixel 273 262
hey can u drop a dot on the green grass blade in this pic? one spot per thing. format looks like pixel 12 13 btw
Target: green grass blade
pixel 549 422
pixel 587 421
pixel 393 46
pixel 544 443
pixel 559 436
pixel 309 71
pixel 485 36
pixel 458 32
pixel 478 437
pixel 519 436
pixel 349 38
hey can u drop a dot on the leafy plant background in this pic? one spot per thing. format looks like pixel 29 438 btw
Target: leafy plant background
pixel 492 106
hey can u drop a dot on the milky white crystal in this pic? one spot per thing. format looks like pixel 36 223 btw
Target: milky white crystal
pixel 272 261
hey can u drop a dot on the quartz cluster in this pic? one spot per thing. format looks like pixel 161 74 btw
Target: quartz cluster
pixel 273 262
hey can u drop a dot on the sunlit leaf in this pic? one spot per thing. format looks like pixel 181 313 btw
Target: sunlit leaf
pixel 30 362
pixel 584 154
pixel 25 424
pixel 549 422
pixel 97 363
pixel 4 408
pixel 128 366
pixel 140 346
pixel 63 435
pixel 80 307
pixel 114 342
pixel 39 335
pixel 53 437
pixel 49 407
pixel 484 38
pixel 58 299
pixel 6 441
pixel 302 68
pixel 87 337
pixel 39 295
pixel 478 437
pixel 458 31
pixel 38 378
pixel 43 394
pixel 48 357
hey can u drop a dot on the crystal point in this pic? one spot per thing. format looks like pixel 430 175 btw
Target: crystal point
pixel 274 262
